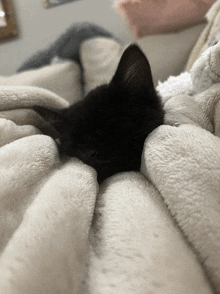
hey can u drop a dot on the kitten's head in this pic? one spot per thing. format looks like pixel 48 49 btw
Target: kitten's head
pixel 107 129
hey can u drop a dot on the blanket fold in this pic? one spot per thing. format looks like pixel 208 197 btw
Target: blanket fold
pixel 137 246
pixel 186 159
pixel 48 251
pixel 45 215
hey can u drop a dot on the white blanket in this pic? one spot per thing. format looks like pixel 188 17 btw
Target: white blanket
pixel 157 231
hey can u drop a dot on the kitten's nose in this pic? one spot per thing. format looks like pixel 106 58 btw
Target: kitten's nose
pixel 86 156
pixel 89 155
pixel 92 153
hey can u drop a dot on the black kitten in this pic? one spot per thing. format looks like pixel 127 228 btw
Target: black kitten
pixel 107 129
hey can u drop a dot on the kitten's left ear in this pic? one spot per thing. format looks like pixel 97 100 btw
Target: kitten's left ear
pixel 133 69
pixel 53 116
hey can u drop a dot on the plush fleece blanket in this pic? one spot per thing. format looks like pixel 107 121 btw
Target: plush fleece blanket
pixel 153 231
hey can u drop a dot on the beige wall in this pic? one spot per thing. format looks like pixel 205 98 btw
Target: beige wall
pixel 38 27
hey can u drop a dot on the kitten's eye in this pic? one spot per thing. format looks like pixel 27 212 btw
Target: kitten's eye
pixel 92 153
pixel 99 132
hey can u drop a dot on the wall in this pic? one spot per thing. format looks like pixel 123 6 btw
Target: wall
pixel 38 27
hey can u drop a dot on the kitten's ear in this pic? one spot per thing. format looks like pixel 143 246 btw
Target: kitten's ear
pixel 53 116
pixel 133 69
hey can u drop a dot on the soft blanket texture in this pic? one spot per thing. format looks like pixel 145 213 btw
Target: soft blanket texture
pixel 210 35
pixel 153 231
pixel 43 241
pixel 63 78
pixel 157 17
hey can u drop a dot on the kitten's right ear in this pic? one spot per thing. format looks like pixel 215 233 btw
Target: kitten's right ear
pixel 133 70
pixel 53 116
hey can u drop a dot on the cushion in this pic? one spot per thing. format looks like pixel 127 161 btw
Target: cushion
pixel 99 57
pixel 168 53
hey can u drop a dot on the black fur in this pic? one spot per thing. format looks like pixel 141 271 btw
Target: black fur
pixel 107 129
